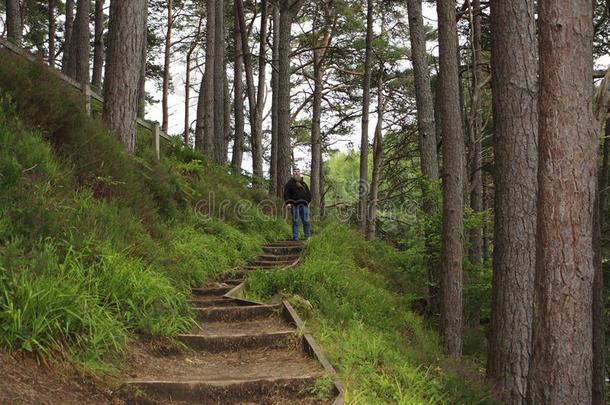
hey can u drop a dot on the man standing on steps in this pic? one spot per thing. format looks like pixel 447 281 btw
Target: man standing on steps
pixel 297 197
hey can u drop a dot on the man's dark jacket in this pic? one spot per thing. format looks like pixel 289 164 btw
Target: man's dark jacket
pixel 296 192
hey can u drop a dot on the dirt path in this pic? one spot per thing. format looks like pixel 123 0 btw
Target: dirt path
pixel 241 353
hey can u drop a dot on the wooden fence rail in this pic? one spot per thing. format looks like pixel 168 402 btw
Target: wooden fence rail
pixel 88 93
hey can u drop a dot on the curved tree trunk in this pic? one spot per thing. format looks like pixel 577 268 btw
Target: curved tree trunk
pixel 98 51
pixel 79 50
pixel 14 22
pixel 123 68
pixel 453 169
pixel 561 366
pixel 515 109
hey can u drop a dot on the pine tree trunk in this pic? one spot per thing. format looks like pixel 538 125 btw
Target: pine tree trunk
pixel 14 22
pixel 288 10
pixel 167 53
pixel 199 123
pixel 515 108
pixel 257 135
pixel 98 50
pixel 227 118
pixel 78 53
pixel 123 68
pixel 427 132
pixel 598 314
pixel 238 99
pixel 187 94
pixel 363 185
pixel 207 135
pixel 275 100
pixel 316 147
pixel 142 83
pixel 68 25
pixel 377 160
pixel 453 169
pixel 52 31
pixel 561 365
pixel 217 137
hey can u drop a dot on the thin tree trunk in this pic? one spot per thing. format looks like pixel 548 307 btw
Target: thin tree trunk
pixel 561 365
pixel 316 146
pixel 515 108
pixel 69 24
pixel 14 22
pixel 98 50
pixel 123 68
pixel 78 54
pixel 142 83
pixel 476 182
pixel 453 169
pixel 427 133
pixel 52 32
pixel 208 85
pixel 238 96
pixel 257 133
pixel 288 10
pixel 227 118
pixel 187 94
pixel 275 100
pixel 377 160
pixel 217 137
pixel 166 66
pixel 199 124
pixel 363 186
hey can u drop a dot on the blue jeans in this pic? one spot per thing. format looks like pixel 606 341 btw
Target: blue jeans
pixel 300 212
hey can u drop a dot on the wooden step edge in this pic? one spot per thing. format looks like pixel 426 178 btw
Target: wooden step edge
pixel 238 341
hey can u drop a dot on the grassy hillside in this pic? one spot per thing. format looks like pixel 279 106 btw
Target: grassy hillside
pixel 97 246
pixel 354 295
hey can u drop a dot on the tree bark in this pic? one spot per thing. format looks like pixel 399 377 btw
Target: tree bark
pixel 207 134
pixel 79 50
pixel 98 50
pixel 515 109
pixel 377 160
pixel 14 22
pixel 199 123
pixel 123 68
pixel 217 136
pixel 187 93
pixel 167 53
pixel 238 96
pixel 275 101
pixel 288 10
pixel 363 186
pixel 52 31
pixel 561 365
pixel 453 169
pixel 476 179
pixel 257 134
pixel 69 24
pixel 427 131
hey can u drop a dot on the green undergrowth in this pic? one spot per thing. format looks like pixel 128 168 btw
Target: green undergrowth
pixel 98 246
pixel 351 293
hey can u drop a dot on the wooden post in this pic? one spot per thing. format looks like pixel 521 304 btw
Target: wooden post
pixel 157 135
pixel 87 93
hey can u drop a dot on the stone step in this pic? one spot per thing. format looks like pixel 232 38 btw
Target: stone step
pixel 239 313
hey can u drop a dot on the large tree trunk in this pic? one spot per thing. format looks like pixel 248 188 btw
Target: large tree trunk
pixel 288 10
pixel 238 96
pixel 68 26
pixel 599 309
pixel 275 100
pixel 426 129
pixel 52 31
pixel 363 184
pixel 453 169
pixel 14 22
pixel 98 51
pixel 123 68
pixel 207 134
pixel 79 50
pixel 515 108
pixel 167 53
pixel 377 160
pixel 476 161
pixel 561 366
pixel 217 137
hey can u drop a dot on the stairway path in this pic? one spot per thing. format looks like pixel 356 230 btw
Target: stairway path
pixel 240 352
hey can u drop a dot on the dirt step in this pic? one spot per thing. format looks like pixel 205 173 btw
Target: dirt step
pixel 237 341
pixel 281 250
pixel 285 243
pixel 241 313
pixel 211 291
pixel 213 301
pixel 275 258
pixel 271 263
